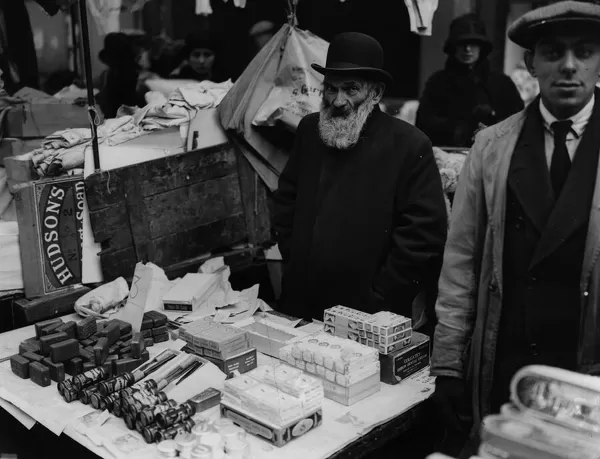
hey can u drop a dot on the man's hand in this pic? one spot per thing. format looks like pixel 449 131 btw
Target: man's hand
pixel 452 402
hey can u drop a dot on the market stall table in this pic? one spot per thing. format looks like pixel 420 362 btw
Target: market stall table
pixel 344 428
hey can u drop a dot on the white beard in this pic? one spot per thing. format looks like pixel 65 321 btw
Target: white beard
pixel 343 132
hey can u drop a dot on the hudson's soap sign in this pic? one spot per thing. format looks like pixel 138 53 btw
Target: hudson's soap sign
pixel 61 216
pixel 50 216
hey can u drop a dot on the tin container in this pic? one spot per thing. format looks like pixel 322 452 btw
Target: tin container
pixel 519 438
pixel 561 397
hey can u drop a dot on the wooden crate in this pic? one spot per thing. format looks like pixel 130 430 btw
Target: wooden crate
pixel 172 210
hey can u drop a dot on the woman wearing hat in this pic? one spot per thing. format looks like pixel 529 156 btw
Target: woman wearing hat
pixel 199 56
pixel 119 82
pixel 467 94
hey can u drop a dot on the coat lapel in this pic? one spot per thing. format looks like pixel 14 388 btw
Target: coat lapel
pixel 573 207
pixel 528 176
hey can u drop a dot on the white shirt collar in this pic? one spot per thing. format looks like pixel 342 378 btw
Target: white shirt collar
pixel 580 119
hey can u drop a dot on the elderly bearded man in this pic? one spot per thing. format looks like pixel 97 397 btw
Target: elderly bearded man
pixel 359 213
pixel 521 278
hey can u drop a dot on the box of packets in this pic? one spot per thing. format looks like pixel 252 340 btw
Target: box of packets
pixel 399 365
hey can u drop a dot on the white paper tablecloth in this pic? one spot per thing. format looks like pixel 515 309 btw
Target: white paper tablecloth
pixel 341 425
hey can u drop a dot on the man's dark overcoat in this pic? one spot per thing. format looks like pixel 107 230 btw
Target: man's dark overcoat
pixel 363 227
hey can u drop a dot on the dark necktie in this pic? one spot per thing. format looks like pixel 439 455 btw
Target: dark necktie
pixel 561 162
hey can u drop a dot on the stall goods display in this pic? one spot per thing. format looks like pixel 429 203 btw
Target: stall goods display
pixel 385 331
pixel 213 339
pixel 554 414
pixel 350 371
pixel 241 363
pixel 154 328
pixel 401 364
pixel 191 292
pixel 268 336
pixel 277 402
pixel 73 348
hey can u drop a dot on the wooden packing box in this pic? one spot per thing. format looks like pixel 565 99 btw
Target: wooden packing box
pixel 172 210
pixel 13 147
pixel 50 216
pixel 43 117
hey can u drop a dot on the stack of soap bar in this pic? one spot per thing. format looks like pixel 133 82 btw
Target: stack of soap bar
pixel 154 328
pixel 349 370
pixel 279 395
pixel 214 340
pixel 385 331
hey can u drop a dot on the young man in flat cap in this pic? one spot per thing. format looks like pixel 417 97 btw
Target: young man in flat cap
pixel 359 213
pixel 520 283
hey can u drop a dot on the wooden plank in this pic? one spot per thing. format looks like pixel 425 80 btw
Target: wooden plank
pixel 139 220
pixel 160 175
pixel 49 306
pixel 117 263
pixel 178 247
pixel 254 200
pixel 110 226
pixel 189 207
pixel 188 168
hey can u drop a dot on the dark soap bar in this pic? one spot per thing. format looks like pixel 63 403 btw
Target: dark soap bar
pixel 87 366
pixel 51 329
pixel 158 319
pixel 114 349
pixel 20 366
pixel 125 327
pixel 112 333
pixel 148 342
pixel 161 338
pixel 160 330
pixel 74 366
pixel 64 350
pixel 87 355
pixel 145 355
pixel 47 341
pixel 147 333
pixel 125 350
pixel 86 328
pixel 33 357
pixel 124 365
pixel 87 342
pixel 101 351
pixel 101 325
pixel 43 324
pixel 40 374
pixel 70 328
pixel 137 345
pixel 30 345
pixel 147 322
pixel 126 342
pixel 57 370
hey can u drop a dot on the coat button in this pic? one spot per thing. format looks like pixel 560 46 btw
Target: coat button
pixel 533 279
pixel 586 293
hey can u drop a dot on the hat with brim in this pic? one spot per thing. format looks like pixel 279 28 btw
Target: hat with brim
pixel 577 17
pixel 467 29
pixel 355 54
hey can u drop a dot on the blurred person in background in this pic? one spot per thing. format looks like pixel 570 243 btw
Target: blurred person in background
pixel 260 34
pixel 199 58
pixel 118 84
pixel 467 94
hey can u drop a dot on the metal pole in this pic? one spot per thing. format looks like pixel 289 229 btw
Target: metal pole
pixel 89 82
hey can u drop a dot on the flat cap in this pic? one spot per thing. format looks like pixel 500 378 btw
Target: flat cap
pixel 579 14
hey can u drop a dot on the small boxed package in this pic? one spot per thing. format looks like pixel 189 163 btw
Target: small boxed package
pixel 277 435
pixel 269 337
pixel 191 292
pixel 242 362
pixel 401 364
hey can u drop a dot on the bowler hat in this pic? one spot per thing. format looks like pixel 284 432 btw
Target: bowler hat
pixel 467 29
pixel 355 53
pixel 582 16
pixel 118 48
